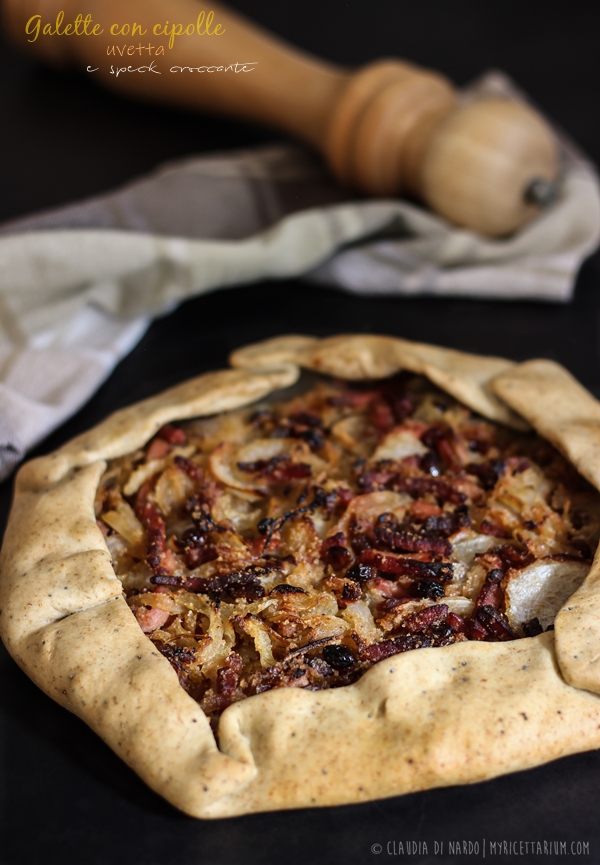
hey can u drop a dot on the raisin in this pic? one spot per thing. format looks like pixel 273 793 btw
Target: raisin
pixel 359 573
pixel 429 589
pixel 533 628
pixel 338 657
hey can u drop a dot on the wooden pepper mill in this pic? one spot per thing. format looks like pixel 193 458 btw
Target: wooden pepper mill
pixel 387 129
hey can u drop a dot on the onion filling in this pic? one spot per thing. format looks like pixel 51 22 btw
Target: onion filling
pixel 297 544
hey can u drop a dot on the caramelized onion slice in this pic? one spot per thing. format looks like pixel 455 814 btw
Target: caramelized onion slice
pixel 540 590
pixel 398 444
pixel 124 521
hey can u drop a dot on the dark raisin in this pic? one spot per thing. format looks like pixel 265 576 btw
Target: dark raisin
pixel 337 556
pixel 432 464
pixel 441 630
pixel 338 657
pixel 532 628
pixel 193 537
pixel 286 589
pixel 429 589
pixel 359 573
pixel 313 438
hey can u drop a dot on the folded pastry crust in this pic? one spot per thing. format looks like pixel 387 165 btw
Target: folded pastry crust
pixel 437 716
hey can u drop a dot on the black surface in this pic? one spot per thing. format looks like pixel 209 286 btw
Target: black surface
pixel 64 797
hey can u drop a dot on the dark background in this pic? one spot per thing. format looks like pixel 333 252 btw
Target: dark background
pixel 64 797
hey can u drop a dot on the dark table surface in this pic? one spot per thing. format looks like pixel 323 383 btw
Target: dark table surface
pixel 64 797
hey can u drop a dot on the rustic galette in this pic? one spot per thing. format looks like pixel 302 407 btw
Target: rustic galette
pixel 267 591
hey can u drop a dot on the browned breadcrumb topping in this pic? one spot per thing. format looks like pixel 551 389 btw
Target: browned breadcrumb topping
pixel 298 543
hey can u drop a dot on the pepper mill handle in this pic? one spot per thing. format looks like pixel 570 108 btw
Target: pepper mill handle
pixel 386 129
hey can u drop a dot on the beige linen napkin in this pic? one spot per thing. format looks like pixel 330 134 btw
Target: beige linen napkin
pixel 80 285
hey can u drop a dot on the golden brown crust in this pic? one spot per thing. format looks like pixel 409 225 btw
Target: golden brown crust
pixel 568 416
pixel 449 715
pixel 465 376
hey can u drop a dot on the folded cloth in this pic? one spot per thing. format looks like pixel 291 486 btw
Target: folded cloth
pixel 80 285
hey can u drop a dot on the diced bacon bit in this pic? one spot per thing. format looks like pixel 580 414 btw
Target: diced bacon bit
pixel 389 407
pixel 457 623
pixel 212 703
pixel 395 591
pixel 402 407
pixel 440 489
pixel 449 524
pixel 172 434
pixel 421 510
pixel 157 449
pixel 376 479
pixel 344 497
pixel 495 624
pixel 198 508
pixel 480 437
pixel 391 604
pixel 227 681
pixel 468 488
pixel 491 594
pixel 488 473
pixel 191 469
pixel 236 584
pixel 386 648
pixel 144 491
pixel 513 557
pixel 335 552
pixel 405 540
pixel 442 439
pixel 381 415
pixel 151 618
pixel 424 619
pixel 304 426
pixel 391 564
pixel 234 661
pixel 277 469
pixel 487 527
pixel 337 500
pixel 361 537
pixel 476 631
pixel 346 591
pixel 159 558
pixel 358 399
pixel 195 547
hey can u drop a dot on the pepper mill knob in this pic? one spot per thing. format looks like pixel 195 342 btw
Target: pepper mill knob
pixel 381 123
